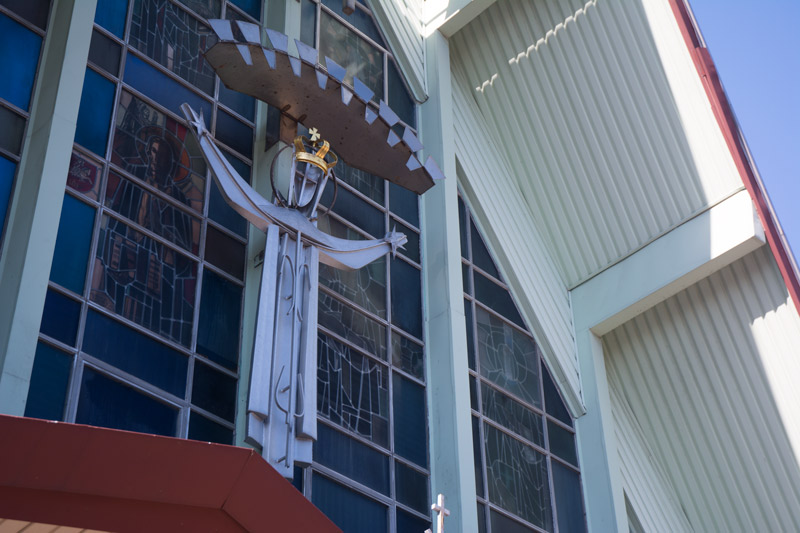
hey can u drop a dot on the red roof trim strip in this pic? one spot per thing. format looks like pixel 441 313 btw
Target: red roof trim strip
pixel 736 144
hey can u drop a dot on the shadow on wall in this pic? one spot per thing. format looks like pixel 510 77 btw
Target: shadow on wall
pixel 703 387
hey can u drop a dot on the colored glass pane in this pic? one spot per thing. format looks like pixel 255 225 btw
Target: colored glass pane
pixel 411 249
pixel 251 7
pixel 94 115
pixel 220 320
pixel 175 39
pixel 205 8
pixel 408 355
pixel 108 403
pixel 508 358
pixel 349 510
pixel 351 325
pixel 158 150
pixel 411 487
pixel 367 184
pixel 161 88
pixel 71 255
pixel 84 176
pixel 552 399
pixel 511 415
pixel 144 281
pixel 365 286
pixel 60 317
pixel 49 379
pixel 201 428
pixel 496 298
pixel 359 19
pixel 34 11
pixel 225 252
pixel 517 478
pixel 7 170
pixel 569 500
pixel 408 522
pixel 404 203
pixel 234 133
pixel 399 100
pixel 359 58
pixel 134 353
pixel 352 390
pixel 19 51
pixel 410 431
pixel 152 212
pixel 241 103
pixel 351 458
pixel 218 208
pixel 110 14
pixel 214 391
pixel 105 53
pixel 406 297
pixel 562 442
pixel 13 127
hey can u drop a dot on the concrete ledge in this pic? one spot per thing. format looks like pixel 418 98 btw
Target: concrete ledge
pixel 682 257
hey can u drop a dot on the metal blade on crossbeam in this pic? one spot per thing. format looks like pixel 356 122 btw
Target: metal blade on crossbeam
pixel 317 95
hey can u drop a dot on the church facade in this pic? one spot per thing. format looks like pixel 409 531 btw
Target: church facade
pixel 592 325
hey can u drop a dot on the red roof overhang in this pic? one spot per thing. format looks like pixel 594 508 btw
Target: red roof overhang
pixel 738 148
pixel 97 478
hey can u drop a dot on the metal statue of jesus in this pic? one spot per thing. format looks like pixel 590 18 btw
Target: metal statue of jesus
pixel 282 406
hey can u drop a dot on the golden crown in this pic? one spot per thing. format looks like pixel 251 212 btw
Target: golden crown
pixel 315 151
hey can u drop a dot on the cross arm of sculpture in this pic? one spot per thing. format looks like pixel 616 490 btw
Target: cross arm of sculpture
pixel 343 254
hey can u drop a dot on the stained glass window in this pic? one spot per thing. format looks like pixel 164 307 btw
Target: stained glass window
pixel 153 274
pixel 371 379
pixel 523 439
pixel 22 31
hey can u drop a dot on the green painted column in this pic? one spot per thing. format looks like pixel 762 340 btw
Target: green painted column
pixel 36 204
pixel 597 444
pixel 452 462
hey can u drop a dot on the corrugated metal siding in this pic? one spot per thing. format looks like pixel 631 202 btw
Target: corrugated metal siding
pixel 509 229
pixel 646 485
pixel 711 378
pixel 596 132
pixel 400 22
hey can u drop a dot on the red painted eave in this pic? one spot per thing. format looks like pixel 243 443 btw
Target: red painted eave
pixel 738 148
pixel 105 479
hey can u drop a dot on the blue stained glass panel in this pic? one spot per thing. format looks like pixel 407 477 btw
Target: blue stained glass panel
pixel 241 103
pixel 406 297
pixel 134 353
pixel 552 399
pixel 107 403
pixel 220 318
pixel 60 317
pixel 399 99
pixel 48 390
pixel 351 458
pixel 110 14
pixel 496 297
pixel 411 488
pixel 251 7
pixel 355 210
pixel 19 51
pixel 562 443
pixel 94 115
pixel 352 512
pixel 7 170
pixel 410 432
pixel 162 88
pixel 480 254
pixel 410 523
pixel 214 391
pixel 201 428
pixel 404 203
pixel 234 133
pixel 569 500
pixel 74 239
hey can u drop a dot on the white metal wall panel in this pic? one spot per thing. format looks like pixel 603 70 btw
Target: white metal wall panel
pixel 509 229
pixel 711 378
pixel 647 487
pixel 400 22
pixel 594 127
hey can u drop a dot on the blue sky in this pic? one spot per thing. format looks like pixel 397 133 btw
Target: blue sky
pixel 756 47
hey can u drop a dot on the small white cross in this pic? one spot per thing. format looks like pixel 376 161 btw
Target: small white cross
pixel 441 511
pixel 314 134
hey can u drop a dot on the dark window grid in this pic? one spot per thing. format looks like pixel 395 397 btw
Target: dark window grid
pixel 361 196
pixel 82 361
pixel 510 516
pixel 390 501
pixel 387 55
pixel 74 386
pixel 349 225
pixel 484 420
pixel 16 18
pixel 498 316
